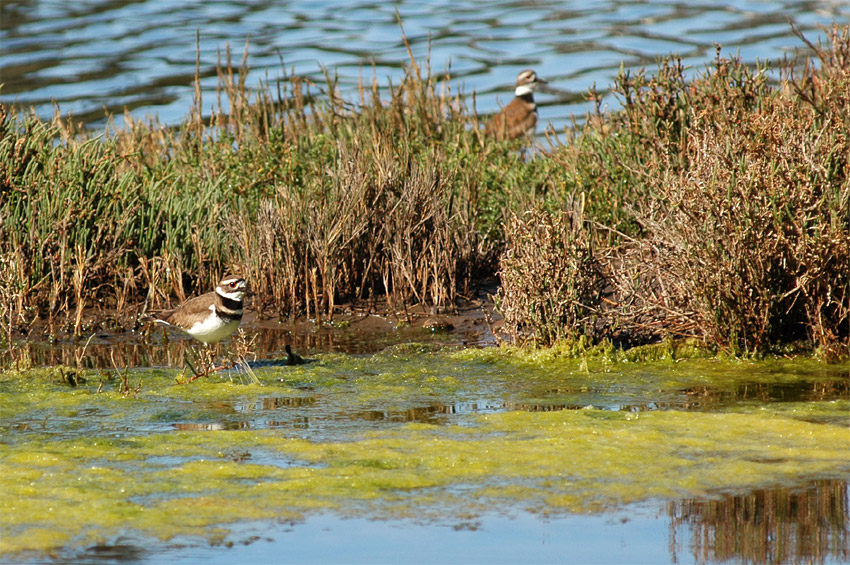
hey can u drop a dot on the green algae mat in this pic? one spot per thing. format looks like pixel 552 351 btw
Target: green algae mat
pixel 413 432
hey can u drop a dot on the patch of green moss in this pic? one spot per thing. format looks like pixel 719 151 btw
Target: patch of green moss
pixel 78 466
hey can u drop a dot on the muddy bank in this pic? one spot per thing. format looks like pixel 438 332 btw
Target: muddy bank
pixel 355 329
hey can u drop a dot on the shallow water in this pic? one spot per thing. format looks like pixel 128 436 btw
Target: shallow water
pixel 93 56
pixel 494 454
pixel 638 534
pixel 151 346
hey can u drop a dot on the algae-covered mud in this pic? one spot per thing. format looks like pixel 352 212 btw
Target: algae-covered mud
pixel 725 459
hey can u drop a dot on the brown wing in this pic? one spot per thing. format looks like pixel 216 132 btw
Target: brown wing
pixel 192 307
pixel 515 120
pixel 496 126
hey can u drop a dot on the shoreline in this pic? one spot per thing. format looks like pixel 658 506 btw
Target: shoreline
pixel 355 329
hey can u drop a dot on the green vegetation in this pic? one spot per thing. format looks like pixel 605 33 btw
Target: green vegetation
pixel 396 435
pixel 718 207
pixel 715 208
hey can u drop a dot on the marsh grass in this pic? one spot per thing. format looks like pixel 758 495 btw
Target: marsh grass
pixel 714 207
pixel 724 203
pixel 313 202
pixel 756 229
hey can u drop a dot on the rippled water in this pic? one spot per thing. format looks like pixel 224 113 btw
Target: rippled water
pixel 92 56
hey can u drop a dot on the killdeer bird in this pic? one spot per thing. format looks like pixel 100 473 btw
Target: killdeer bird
pixel 519 117
pixel 210 317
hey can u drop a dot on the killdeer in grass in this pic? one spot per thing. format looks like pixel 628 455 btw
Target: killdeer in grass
pixel 519 117
pixel 210 317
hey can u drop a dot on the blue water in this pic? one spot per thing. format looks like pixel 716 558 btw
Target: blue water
pixel 639 536
pixel 639 533
pixel 90 57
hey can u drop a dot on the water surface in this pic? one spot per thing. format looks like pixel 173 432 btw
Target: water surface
pixel 91 57
pixel 469 450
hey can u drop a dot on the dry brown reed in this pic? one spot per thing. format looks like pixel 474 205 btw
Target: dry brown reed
pixel 379 219
pixel 727 211
pixel 715 207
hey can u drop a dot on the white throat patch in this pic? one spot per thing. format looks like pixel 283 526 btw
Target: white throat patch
pixel 524 89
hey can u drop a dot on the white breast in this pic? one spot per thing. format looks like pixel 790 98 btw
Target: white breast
pixel 213 329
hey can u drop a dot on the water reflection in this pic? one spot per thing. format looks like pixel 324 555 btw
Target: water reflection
pixel 159 348
pixel 122 551
pixel 431 414
pixel 210 426
pixel 291 412
pixel 696 398
pixel 705 396
pixel 782 525
pixel 803 524
pixel 273 403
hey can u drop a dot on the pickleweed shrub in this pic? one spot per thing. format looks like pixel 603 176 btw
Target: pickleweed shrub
pixel 552 281
pixel 755 230
pixel 732 202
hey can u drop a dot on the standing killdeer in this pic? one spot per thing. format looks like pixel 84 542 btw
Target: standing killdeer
pixel 210 317
pixel 519 117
